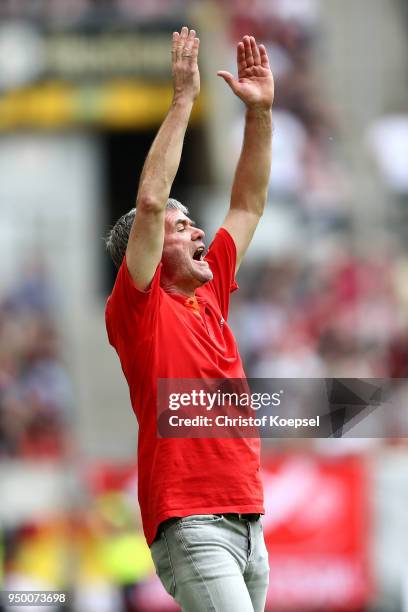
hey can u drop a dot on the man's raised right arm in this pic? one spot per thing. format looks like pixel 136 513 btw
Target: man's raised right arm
pixel 146 238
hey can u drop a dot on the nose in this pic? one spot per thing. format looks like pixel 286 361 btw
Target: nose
pixel 197 234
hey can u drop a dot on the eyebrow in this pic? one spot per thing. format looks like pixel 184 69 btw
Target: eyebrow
pixel 185 222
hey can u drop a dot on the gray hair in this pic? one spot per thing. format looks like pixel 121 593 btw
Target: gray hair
pixel 118 236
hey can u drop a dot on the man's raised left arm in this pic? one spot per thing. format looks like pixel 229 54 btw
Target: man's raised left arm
pixel 255 87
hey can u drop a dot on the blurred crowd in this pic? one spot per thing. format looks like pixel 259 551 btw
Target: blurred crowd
pixel 320 309
pixel 323 307
pixel 333 315
pixel 335 311
pixel 68 13
pixel 35 389
pixel 307 168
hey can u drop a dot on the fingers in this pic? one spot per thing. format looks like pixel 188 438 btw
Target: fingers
pixel 255 52
pixel 176 37
pixel 191 47
pixel 181 42
pixel 264 57
pixel 249 60
pixel 185 45
pixel 196 46
pixel 241 63
pixel 189 43
pixel 249 54
pixel 228 78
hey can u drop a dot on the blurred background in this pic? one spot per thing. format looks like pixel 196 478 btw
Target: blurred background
pixel 84 85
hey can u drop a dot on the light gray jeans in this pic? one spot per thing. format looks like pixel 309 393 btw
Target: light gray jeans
pixel 213 563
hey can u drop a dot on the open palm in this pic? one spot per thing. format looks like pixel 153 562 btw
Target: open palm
pixel 254 84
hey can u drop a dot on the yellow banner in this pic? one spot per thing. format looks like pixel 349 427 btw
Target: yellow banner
pixel 116 104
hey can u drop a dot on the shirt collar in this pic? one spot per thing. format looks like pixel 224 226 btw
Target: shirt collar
pixel 193 303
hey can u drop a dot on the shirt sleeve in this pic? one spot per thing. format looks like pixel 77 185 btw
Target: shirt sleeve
pixel 129 309
pixel 222 257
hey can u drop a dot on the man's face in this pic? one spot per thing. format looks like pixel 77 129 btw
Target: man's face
pixel 184 268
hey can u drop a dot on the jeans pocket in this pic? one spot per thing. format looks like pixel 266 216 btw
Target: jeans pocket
pixel 163 565
pixel 199 519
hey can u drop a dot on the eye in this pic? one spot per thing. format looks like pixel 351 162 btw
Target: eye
pixel 181 228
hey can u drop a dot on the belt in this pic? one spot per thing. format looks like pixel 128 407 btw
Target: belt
pixel 251 517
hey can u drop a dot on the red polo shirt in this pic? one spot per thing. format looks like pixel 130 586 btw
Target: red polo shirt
pixel 162 335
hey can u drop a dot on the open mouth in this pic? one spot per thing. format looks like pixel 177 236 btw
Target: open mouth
pixel 198 254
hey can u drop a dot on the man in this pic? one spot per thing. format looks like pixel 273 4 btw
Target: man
pixel 201 499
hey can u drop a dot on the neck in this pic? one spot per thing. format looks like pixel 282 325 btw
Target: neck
pixel 176 288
